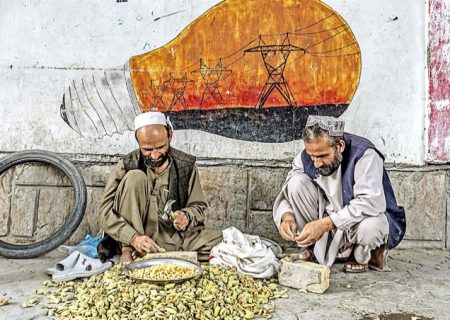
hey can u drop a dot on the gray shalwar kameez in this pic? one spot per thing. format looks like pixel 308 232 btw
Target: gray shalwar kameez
pixel 362 224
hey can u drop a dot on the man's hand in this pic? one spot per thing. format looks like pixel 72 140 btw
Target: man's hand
pixel 288 226
pixel 180 220
pixel 144 244
pixel 127 254
pixel 313 231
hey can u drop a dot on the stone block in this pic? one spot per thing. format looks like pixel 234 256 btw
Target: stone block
pixel 265 184
pixel 40 174
pixel 55 204
pixel 447 245
pixel 304 275
pixel 92 207
pixel 225 189
pixel 5 201
pixel 89 224
pixel 447 222
pixel 424 197
pixel 23 212
pixel 261 224
pixel 95 175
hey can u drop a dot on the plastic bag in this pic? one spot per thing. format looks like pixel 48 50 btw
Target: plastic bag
pixel 87 246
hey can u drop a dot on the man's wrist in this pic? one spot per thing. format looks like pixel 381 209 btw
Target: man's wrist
pixel 329 224
pixel 188 216
pixel 127 249
pixel 133 238
pixel 288 217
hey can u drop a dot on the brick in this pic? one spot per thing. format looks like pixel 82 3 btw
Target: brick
pixel 304 275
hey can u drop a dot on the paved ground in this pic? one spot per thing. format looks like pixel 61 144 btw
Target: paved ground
pixel 417 288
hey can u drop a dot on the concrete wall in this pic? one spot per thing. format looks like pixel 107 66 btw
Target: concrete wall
pixel 46 46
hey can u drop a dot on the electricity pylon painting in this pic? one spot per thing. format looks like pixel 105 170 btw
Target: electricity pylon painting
pixel 250 70
pixel 275 80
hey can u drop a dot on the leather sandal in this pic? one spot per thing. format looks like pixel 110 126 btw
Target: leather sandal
pixel 378 259
pixel 348 267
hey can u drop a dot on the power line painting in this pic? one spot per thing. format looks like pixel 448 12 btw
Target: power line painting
pixel 249 70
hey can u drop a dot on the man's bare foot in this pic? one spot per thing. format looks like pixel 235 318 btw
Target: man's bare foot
pixel 355 267
pixel 127 255
pixel 378 259
pixel 137 254
pixel 305 254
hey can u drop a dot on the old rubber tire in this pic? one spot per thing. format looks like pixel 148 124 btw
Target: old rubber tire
pixel 72 221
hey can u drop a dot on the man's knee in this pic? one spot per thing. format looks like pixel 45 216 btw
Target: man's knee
pixel 134 179
pixel 372 231
pixel 301 189
pixel 132 187
pixel 300 183
pixel 299 179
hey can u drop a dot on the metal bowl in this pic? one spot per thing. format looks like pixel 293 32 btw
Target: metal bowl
pixel 161 261
pixel 275 247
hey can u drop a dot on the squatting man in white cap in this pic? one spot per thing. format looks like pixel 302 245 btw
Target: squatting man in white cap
pixel 144 183
pixel 337 201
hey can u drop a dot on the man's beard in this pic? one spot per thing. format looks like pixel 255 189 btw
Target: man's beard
pixel 158 162
pixel 329 169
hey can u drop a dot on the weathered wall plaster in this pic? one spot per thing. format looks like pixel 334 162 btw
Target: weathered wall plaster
pixel 46 46
pixel 439 83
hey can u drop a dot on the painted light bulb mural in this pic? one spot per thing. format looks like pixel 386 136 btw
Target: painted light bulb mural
pixel 248 70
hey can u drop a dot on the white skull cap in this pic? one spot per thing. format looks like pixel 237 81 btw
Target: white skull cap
pixel 151 117
pixel 333 126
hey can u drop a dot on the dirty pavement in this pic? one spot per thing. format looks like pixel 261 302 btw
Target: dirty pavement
pixel 416 289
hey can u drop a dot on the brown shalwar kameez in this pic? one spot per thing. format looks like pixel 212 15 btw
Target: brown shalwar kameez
pixel 134 202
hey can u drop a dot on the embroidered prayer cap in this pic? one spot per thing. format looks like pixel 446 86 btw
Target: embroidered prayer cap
pixel 151 117
pixel 333 126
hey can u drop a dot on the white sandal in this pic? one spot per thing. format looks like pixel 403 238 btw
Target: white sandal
pixel 84 267
pixel 65 264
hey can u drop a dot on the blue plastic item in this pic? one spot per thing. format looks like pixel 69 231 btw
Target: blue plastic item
pixel 87 246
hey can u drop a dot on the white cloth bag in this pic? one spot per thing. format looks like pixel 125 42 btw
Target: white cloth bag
pixel 246 253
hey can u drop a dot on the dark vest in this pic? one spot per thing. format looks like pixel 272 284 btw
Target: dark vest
pixel 355 147
pixel 179 173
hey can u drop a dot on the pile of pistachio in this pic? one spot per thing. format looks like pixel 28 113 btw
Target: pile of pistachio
pixel 164 272
pixel 218 294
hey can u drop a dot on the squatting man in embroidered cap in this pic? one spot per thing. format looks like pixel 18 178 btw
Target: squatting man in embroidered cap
pixel 153 198
pixel 337 201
